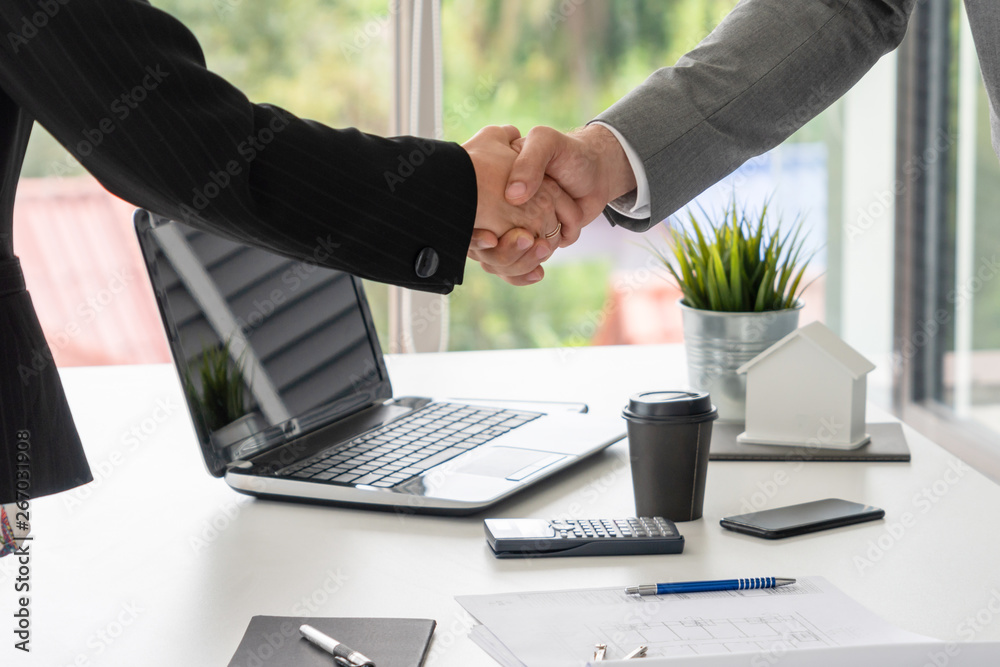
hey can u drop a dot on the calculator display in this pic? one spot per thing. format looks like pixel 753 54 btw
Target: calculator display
pixel 522 528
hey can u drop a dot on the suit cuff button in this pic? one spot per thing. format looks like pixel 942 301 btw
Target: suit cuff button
pixel 427 263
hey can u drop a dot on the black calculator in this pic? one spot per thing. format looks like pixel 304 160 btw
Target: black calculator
pixel 540 538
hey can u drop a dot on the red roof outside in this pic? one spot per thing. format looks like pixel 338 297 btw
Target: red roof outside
pixel 84 271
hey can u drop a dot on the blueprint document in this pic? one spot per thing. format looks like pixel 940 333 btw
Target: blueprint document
pixel 560 628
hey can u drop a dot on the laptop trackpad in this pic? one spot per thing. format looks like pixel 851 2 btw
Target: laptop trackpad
pixel 508 462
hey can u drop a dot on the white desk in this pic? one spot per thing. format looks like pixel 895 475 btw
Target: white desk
pixel 157 563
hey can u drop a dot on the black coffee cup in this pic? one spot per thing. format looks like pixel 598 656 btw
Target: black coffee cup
pixel 669 433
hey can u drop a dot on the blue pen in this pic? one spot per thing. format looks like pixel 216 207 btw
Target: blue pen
pixel 700 586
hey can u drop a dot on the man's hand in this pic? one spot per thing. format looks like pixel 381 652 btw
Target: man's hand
pixel 589 164
pixel 532 229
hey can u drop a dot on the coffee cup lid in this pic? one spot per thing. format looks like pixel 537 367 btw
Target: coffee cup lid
pixel 670 405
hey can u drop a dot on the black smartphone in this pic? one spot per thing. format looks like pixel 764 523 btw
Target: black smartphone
pixel 799 519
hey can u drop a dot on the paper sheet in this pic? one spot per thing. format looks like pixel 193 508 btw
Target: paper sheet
pixel 560 628
pixel 488 641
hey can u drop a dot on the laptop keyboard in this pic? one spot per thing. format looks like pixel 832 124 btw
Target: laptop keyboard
pixel 406 447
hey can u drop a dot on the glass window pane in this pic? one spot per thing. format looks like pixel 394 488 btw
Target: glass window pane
pixel 969 380
pixel 984 380
pixel 560 63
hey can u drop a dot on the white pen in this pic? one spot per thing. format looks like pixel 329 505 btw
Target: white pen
pixel 339 651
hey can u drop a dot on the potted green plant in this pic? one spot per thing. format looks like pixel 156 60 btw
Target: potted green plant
pixel 741 278
pixel 220 403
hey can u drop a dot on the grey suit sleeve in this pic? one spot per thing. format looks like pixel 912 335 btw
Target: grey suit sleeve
pixel 769 67
pixel 984 19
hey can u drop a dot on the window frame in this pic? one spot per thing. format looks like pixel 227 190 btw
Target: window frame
pixel 924 248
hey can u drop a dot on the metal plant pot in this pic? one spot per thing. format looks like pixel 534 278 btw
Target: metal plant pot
pixel 718 343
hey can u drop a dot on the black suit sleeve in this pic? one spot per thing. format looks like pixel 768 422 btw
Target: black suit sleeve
pixel 124 87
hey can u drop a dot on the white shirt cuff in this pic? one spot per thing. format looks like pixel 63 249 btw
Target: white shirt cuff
pixel 636 203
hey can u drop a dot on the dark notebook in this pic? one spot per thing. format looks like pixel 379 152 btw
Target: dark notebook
pixel 275 641
pixel 887 444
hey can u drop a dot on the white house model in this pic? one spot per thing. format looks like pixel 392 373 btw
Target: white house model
pixel 808 389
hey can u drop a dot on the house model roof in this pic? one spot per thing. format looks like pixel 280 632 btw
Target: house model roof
pixel 826 342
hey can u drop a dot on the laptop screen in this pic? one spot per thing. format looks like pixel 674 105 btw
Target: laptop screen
pixel 267 348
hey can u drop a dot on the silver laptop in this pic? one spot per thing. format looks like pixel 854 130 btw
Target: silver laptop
pixel 290 396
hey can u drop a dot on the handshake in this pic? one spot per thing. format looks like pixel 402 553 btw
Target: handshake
pixel 537 193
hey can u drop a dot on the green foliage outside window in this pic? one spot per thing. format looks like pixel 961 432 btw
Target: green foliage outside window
pixel 558 63
pixel 560 311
